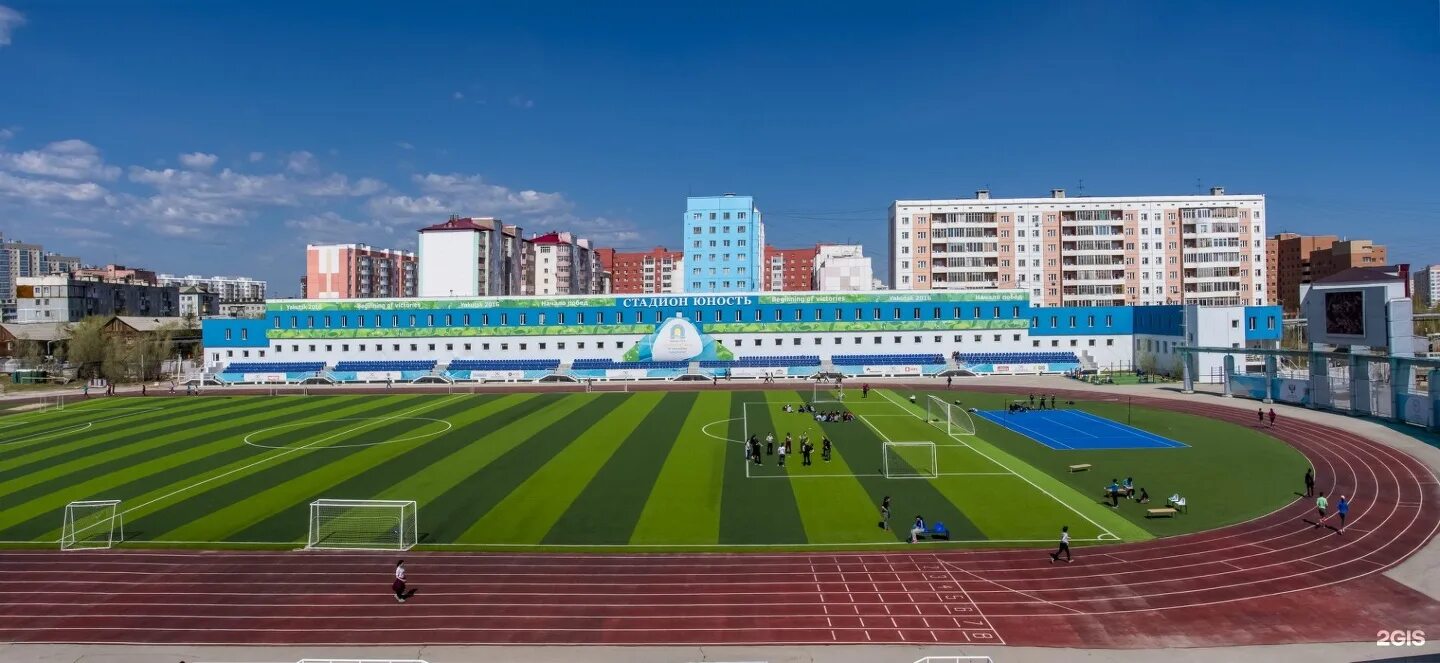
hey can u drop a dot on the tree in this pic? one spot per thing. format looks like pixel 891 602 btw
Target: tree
pixel 30 353
pixel 88 349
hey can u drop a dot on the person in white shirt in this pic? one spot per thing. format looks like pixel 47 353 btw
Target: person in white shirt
pixel 783 450
pixel 1064 546
pixel 399 584
pixel 917 530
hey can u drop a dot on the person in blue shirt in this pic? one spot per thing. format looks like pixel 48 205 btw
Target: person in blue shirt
pixel 1342 509
pixel 1114 494
pixel 1129 488
pixel 917 530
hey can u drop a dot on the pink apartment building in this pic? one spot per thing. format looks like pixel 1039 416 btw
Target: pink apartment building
pixel 355 271
pixel 1101 251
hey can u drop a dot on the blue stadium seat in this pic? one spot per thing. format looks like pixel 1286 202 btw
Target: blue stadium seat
pixel 397 365
pixel 775 360
pixel 505 364
pixel 275 367
pixel 888 360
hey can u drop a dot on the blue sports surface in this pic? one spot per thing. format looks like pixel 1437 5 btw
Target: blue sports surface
pixel 1066 430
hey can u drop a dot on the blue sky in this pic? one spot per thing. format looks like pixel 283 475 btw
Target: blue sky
pixel 220 137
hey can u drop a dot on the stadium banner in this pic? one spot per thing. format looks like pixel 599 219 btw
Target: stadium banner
pixel 377 376
pixel 1293 390
pixel 1015 369
pixel 755 371
pixel 1011 297
pixel 895 369
pixel 1416 408
pixel 269 378
pixel 1248 386
pixel 497 375
pixel 627 373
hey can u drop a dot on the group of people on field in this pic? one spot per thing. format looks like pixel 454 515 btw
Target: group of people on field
pixel 753 449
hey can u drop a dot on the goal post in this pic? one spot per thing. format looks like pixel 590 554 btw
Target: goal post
pixel 824 391
pixel 911 460
pixel 49 403
pixel 363 525
pixel 949 417
pixel 92 525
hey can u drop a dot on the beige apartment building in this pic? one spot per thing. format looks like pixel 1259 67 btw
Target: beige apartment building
pixel 1086 251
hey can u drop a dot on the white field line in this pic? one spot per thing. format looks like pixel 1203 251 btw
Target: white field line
pixel 1026 479
pixel 282 454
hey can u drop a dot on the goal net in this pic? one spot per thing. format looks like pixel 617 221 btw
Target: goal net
pixel 49 403
pixel 949 417
pixel 363 524
pixel 92 525
pixel 824 391
pixel 911 460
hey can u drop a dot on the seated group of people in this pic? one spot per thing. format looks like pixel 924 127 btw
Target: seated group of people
pixel 830 416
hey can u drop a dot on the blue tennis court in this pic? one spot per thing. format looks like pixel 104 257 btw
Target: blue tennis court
pixel 1076 429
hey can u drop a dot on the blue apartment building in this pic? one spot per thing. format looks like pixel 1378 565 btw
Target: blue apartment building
pixel 724 244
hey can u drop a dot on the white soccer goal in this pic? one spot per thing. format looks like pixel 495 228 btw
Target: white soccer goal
pixel 48 403
pixel 949 417
pixel 92 525
pixel 620 387
pixel 363 524
pixel 825 391
pixel 911 460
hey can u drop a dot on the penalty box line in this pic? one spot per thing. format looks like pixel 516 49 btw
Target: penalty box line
pixel 287 452
pixel 1104 531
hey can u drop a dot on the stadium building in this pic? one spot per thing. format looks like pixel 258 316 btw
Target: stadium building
pixel 743 335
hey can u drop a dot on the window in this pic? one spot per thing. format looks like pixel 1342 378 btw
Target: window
pixel 227 334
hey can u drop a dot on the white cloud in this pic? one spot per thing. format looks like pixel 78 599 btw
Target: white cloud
pixel 467 194
pixel 6 134
pixel 329 227
pixel 522 102
pixel 9 20
pixel 457 96
pixel 404 145
pixel 82 234
pixel 198 160
pixel 32 190
pixel 256 157
pixel 301 162
pixel 66 159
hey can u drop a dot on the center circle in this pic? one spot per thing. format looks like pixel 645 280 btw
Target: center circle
pixel 312 443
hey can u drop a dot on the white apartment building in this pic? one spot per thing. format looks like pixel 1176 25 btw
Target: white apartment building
pixel 227 288
pixel 563 265
pixel 1427 285
pixel 471 257
pixel 1100 251
pixel 842 268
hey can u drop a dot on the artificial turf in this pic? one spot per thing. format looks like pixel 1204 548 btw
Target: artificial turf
pixel 650 469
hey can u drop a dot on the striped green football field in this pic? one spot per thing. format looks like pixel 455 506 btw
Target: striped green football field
pixel 651 469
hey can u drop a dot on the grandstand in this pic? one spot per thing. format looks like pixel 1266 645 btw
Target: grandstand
pixel 402 365
pixel 275 367
pixel 1018 357
pixel 505 365
pixel 762 362
pixel 887 360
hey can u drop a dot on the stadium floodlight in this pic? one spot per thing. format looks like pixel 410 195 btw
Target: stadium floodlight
pixel 911 460
pixel 92 525
pixel 824 391
pixel 363 524
pixel 949 417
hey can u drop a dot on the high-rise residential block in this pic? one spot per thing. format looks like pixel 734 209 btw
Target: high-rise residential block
pixel 65 298
pixel 1100 251
pixel 350 271
pixel 1427 286
pixel 724 244
pixel 230 289
pixel 472 257
pixel 791 270
pixel 658 270
pixel 842 268
pixel 1294 260
pixel 563 265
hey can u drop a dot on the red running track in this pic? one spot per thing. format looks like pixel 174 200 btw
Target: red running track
pixel 1275 579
